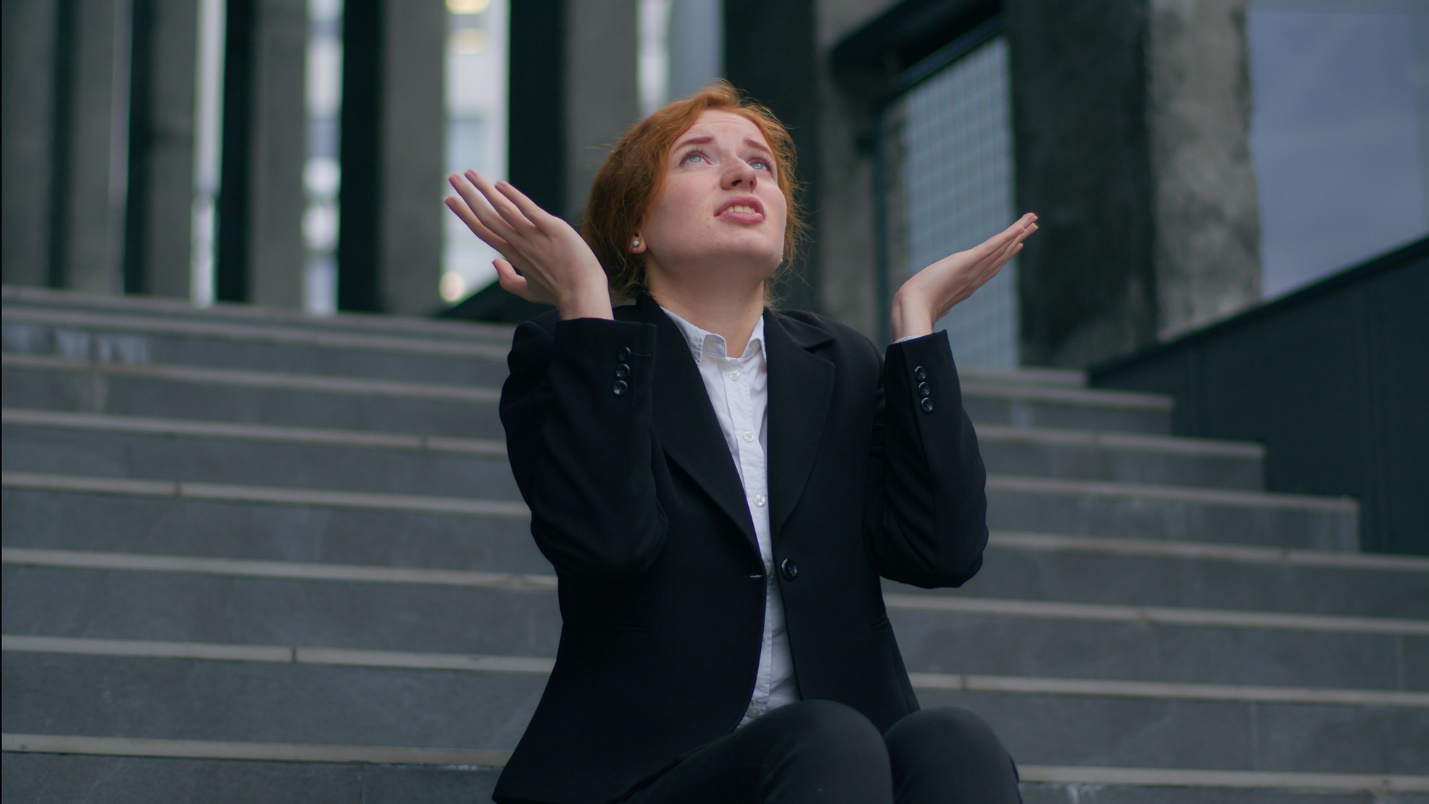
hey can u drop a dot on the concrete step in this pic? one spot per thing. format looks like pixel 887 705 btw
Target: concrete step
pixel 97 515
pixel 83 385
pixel 46 441
pixel 1121 457
pixel 253 397
pixel 81 778
pixel 140 772
pixel 100 446
pixel 125 519
pixel 177 598
pixel 256 693
pixel 1075 569
pixel 1172 513
pixel 145 340
pixel 41 300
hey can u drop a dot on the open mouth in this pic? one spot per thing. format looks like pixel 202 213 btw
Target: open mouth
pixel 748 209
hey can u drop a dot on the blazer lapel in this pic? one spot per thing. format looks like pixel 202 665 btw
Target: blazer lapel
pixel 685 423
pixel 801 388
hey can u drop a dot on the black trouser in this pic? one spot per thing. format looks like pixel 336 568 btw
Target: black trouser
pixel 827 752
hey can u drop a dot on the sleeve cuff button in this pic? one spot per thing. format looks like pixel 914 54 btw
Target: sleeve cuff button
pixel 927 405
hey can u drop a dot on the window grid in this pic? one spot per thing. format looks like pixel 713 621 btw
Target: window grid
pixel 949 142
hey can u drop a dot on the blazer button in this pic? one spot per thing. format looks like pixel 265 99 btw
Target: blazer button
pixel 788 569
pixel 621 387
pixel 919 373
pixel 622 371
pixel 924 390
pixel 927 405
pixel 623 355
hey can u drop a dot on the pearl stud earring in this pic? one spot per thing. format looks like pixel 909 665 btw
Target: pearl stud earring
pixel 635 244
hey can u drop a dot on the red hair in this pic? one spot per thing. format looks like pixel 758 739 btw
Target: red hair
pixel 634 172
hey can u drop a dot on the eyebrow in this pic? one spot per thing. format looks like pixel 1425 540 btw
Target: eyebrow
pixel 705 140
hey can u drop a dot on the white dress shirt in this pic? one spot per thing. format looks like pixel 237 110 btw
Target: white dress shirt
pixel 738 388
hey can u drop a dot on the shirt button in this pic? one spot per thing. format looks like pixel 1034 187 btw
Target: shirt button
pixel 748 435
pixel 759 500
pixel 735 375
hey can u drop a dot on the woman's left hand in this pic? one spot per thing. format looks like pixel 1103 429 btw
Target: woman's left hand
pixel 933 291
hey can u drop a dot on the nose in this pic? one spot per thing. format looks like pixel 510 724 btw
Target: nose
pixel 740 174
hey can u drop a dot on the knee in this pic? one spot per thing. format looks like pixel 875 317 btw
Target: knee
pixel 829 730
pixel 951 731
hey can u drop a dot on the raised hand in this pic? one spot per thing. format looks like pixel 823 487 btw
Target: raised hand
pixel 933 291
pixel 557 267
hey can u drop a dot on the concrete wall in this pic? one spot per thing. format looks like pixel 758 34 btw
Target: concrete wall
pixel 1132 144
pixel 27 83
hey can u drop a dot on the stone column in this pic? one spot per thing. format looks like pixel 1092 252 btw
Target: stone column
pixel 602 96
pixel 1207 222
pixel 93 209
pixel 27 83
pixel 1132 144
pixel 157 244
pixel 393 134
pixel 277 152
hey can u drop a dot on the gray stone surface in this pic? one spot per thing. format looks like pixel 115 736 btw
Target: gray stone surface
pixel 1138 732
pixel 100 392
pixel 105 345
pixel 27 82
pixel 259 463
pixel 602 97
pixel 1207 221
pixel 174 607
pixel 1169 519
pixel 277 150
pixel 1125 794
pixel 1069 648
pixel 994 408
pixel 1118 464
pixel 141 780
pixel 129 524
pixel 259 702
pixel 1127 579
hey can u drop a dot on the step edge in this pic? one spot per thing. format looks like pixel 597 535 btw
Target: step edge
pixel 119 324
pixel 539 665
pixel 1191 494
pixel 494 759
pixel 260 379
pixel 531 582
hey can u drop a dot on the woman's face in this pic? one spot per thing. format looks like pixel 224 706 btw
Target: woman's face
pixel 720 208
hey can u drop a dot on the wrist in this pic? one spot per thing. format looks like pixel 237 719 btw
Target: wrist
pixel 590 300
pixel 909 318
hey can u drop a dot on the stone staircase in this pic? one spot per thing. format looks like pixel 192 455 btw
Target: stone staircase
pixel 254 556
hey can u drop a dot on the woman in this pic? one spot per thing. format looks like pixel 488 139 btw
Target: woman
pixel 720 486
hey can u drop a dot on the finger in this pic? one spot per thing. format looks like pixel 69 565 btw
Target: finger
pixel 527 207
pixel 503 206
pixel 510 281
pixel 468 217
pixel 477 205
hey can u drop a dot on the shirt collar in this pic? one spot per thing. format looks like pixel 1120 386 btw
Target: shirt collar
pixel 702 340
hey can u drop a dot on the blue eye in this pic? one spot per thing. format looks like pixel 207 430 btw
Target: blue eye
pixel 761 164
pixel 693 156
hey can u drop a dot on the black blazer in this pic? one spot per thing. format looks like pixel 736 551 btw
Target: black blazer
pixel 873 470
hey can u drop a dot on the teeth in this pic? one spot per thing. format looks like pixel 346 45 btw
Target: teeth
pixel 739 208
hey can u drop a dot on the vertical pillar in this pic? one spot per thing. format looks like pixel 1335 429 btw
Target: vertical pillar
pixel 393 121
pixel 412 158
pixel 1198 110
pixel 1082 150
pixel 27 83
pixel 261 248
pixel 92 211
pixel 602 96
pixel 789 86
pixel 536 117
pixel 157 247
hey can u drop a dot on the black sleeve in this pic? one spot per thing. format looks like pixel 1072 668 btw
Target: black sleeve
pixel 577 413
pixel 927 522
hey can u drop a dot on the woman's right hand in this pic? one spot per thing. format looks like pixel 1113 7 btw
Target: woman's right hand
pixel 557 267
